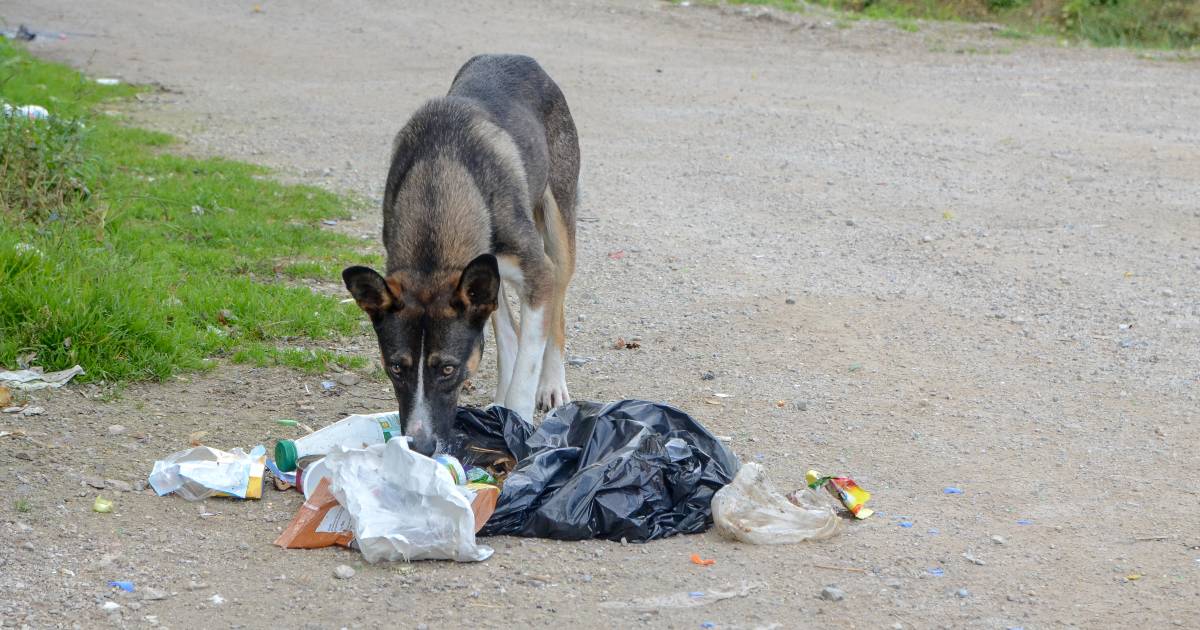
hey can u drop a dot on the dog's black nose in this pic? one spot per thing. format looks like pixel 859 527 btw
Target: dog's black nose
pixel 423 445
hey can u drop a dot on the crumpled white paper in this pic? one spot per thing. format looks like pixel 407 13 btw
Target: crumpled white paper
pixel 34 378
pixel 405 506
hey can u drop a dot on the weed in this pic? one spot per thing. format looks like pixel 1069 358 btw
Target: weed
pixel 23 506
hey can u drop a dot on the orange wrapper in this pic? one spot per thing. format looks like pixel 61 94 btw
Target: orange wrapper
pixel 846 491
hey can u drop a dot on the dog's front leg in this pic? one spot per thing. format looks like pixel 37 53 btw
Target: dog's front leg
pixel 504 330
pixel 530 348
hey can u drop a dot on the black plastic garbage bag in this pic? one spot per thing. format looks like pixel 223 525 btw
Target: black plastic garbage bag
pixel 630 469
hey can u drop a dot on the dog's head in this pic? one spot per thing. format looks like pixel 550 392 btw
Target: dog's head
pixel 430 330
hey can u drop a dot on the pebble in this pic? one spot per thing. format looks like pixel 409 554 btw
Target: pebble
pixel 94 482
pixel 707 376
pixel 833 594
pixel 927 239
pixel 216 599
pixel 973 560
pixel 998 539
pixel 348 379
pixel 790 300
pixel 577 361
pixel 801 405
pixel 33 411
pixel 1165 292
pixel 116 429
pixel 110 606
pixel 153 594
pixel 196 586
pixel 343 572
pixel 850 222
pixel 118 485
pixel 963 593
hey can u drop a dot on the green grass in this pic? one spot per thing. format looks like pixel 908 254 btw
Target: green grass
pixel 135 262
pixel 22 506
pixel 1157 24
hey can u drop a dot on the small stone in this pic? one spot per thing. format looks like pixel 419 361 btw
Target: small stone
pixel 118 485
pixel 832 594
pixel 33 411
pixel 196 586
pixel 578 361
pixel 587 577
pixel 343 572
pixel 800 405
pixel 927 239
pixel 110 606
pixel 1165 292
pixel 707 376
pixel 116 429
pixel 94 482
pixel 973 560
pixel 139 485
pixel 850 222
pixel 963 593
pixel 790 300
pixel 153 594
pixel 216 599
pixel 998 539
pixel 348 379
pixel 28 546
pixel 893 583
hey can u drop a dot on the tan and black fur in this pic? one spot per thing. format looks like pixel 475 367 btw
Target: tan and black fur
pixel 480 196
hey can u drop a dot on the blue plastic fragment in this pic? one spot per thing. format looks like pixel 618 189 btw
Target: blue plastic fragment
pixel 936 571
pixel 905 524
pixel 933 532
pixel 695 594
pixel 1024 521
pixel 121 584
pixel 708 624
pixel 952 490
pixel 328 385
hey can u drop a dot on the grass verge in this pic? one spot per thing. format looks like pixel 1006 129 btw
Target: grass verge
pixel 135 262
pixel 1158 24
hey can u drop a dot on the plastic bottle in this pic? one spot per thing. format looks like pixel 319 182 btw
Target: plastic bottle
pixel 354 431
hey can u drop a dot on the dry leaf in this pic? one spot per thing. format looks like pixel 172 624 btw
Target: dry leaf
pixel 5 396
pixel 196 437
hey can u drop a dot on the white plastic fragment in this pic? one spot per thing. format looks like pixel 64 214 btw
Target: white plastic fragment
pixel 35 378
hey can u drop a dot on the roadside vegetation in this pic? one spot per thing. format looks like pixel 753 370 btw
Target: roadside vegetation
pixel 1160 24
pixel 136 263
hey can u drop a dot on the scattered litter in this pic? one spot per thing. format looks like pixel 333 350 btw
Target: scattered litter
pixel 328 385
pixel 708 624
pixel 843 489
pixel 123 585
pixel 320 522
pixel 216 599
pixel 330 222
pixel 932 531
pixel 1133 577
pixel 952 490
pixel 202 472
pixel 621 344
pixel 579 361
pixel 683 599
pixel 343 572
pixel 196 438
pixel 832 594
pixel 751 511
pixel 110 606
pixel 356 430
pixel 629 469
pixel 102 505
pixel 5 396
pixel 905 524
pixel 696 559
pixel 856 367
pixel 108 81
pixel 1024 521
pixel 724 438
pixel 720 395
pixel 998 539
pixel 282 480
pixel 287 422
pixel 616 255
pixel 30 112
pixel 936 571
pixel 963 593
pixel 404 505
pixel 34 378
pixel 831 568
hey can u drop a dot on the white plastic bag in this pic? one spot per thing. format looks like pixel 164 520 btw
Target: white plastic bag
pixel 749 510
pixel 202 472
pixel 405 506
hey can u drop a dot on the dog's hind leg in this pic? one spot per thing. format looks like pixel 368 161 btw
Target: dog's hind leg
pixel 507 341
pixel 552 383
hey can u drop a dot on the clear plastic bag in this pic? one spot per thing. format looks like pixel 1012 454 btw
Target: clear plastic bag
pixel 405 506
pixel 749 510
pixel 202 472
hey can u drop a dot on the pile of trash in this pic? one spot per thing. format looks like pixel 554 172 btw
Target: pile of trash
pixel 629 470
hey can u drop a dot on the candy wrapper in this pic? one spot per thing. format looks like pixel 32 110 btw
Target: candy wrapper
pixel 846 491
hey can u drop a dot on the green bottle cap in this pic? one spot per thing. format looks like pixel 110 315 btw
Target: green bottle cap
pixel 285 455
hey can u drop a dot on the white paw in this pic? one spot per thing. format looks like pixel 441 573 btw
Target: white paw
pixel 552 395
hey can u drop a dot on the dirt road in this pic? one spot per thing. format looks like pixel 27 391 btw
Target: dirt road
pixel 927 259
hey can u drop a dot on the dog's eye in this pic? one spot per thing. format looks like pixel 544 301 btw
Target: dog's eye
pixel 448 370
pixel 396 369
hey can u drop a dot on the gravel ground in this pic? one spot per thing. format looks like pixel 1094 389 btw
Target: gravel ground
pixel 927 259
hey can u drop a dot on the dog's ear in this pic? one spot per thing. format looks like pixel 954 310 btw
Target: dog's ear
pixel 369 290
pixel 479 286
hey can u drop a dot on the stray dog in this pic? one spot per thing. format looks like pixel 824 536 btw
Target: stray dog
pixel 480 196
